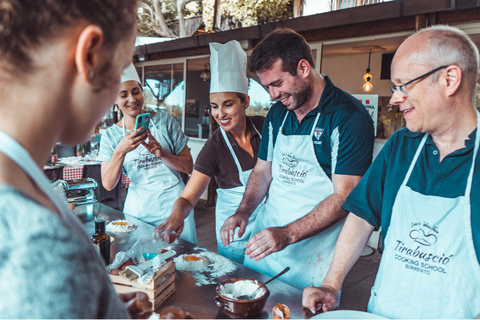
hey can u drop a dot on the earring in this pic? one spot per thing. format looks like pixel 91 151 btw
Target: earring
pixel 90 74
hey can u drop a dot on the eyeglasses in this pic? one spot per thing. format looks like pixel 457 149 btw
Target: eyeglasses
pixel 401 89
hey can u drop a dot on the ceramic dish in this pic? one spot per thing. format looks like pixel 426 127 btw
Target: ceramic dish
pixel 346 314
pixel 239 308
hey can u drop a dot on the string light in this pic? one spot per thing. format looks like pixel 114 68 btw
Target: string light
pixel 367 86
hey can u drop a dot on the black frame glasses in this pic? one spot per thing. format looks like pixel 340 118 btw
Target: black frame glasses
pixel 400 87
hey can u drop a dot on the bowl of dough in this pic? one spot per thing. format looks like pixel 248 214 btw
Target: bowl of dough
pixel 230 291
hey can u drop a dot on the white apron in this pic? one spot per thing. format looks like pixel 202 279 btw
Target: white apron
pixel 228 201
pixel 21 157
pixel 154 187
pixel 299 184
pixel 429 267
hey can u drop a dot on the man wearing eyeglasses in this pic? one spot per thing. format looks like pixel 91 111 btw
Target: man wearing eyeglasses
pixel 422 190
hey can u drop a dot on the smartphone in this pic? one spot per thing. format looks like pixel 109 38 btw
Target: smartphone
pixel 142 120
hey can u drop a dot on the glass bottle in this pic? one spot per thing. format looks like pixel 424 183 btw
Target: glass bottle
pixel 54 155
pixel 80 150
pixel 101 240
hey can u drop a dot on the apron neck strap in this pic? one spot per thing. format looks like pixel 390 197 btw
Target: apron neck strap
pixel 11 148
pixel 229 145
pixel 315 124
pixel 313 127
pixel 415 158
pixel 259 134
pixel 470 174
pixel 475 153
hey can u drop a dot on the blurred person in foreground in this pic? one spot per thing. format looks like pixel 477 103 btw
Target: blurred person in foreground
pixel 229 154
pixel 60 67
pixel 422 189
pixel 317 143
pixel 152 160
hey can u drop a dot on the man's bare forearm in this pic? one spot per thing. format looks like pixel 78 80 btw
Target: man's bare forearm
pixel 326 213
pixel 347 251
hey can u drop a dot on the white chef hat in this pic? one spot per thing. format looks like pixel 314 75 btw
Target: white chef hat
pixel 130 74
pixel 228 68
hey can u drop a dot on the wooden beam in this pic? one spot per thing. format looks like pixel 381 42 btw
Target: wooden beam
pixel 360 30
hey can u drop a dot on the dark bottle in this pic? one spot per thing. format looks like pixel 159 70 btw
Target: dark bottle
pixel 101 240
pixel 206 123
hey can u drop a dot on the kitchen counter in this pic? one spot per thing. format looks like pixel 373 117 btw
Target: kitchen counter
pixel 198 300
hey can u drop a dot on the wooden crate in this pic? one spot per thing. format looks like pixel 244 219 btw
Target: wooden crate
pixel 158 290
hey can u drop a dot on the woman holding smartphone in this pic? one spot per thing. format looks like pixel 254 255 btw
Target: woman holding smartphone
pixel 230 154
pixel 152 160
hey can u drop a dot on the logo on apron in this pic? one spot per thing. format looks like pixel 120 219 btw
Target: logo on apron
pixel 288 173
pixel 425 239
pixel 317 133
pixel 289 160
pixel 422 257
pixel 146 160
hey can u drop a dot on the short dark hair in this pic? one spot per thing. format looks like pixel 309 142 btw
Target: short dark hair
pixel 28 24
pixel 285 44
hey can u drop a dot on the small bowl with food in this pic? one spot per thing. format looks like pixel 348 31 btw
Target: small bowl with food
pixel 229 297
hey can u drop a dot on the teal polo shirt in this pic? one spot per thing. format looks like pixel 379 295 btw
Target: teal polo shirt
pixel 343 137
pixel 373 197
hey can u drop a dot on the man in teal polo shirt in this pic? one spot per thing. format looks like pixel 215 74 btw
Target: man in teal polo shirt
pixel 317 143
pixel 422 189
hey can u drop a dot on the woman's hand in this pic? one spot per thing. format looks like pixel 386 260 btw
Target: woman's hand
pixel 130 141
pixel 171 228
pixel 152 145
pixel 137 304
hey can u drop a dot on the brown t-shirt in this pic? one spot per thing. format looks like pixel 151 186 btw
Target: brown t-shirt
pixel 216 160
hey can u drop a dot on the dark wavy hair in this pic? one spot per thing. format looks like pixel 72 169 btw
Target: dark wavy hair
pixel 27 24
pixel 283 44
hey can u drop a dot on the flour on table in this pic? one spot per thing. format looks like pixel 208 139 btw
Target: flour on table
pixel 120 226
pixel 207 269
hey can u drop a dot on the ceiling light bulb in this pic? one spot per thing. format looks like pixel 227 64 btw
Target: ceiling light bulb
pixel 367 86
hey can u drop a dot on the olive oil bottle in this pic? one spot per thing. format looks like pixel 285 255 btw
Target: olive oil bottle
pixel 101 240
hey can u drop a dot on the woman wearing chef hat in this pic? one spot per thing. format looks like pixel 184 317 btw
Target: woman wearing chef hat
pixel 152 160
pixel 230 153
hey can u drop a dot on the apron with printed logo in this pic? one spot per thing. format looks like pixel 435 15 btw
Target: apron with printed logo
pixel 228 201
pixel 299 184
pixel 154 187
pixel 429 266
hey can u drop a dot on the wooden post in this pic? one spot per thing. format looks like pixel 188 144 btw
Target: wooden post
pixel 297 8
pixel 217 15
pixel 420 22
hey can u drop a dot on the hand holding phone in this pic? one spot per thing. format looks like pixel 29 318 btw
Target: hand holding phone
pixel 142 120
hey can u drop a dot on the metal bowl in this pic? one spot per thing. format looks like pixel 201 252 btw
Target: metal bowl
pixel 240 308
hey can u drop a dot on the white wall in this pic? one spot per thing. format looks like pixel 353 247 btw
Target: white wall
pixel 196 146
pixel 346 72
